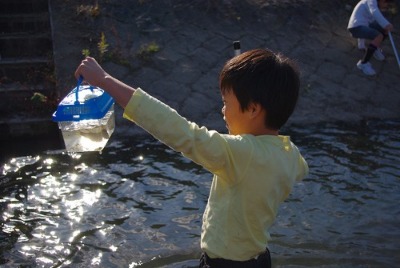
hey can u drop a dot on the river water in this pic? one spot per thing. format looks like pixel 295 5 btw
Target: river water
pixel 139 204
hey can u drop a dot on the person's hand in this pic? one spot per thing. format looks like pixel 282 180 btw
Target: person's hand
pixel 91 71
pixel 389 28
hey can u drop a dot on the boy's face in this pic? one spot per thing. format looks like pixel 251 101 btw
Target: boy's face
pixel 383 4
pixel 236 119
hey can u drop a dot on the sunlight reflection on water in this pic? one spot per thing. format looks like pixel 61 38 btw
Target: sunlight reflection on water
pixel 140 204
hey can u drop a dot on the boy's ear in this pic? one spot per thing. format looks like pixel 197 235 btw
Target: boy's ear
pixel 255 109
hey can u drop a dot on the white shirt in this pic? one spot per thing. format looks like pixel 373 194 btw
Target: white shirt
pixel 365 12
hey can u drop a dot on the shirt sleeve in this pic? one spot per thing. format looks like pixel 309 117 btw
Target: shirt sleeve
pixel 206 148
pixel 376 13
pixel 304 169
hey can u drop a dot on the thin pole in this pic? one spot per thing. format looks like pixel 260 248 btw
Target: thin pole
pixel 236 48
pixel 394 49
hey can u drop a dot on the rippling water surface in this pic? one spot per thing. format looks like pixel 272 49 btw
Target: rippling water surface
pixel 139 204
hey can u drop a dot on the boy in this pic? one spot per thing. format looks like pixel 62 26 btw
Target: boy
pixel 254 167
pixel 367 22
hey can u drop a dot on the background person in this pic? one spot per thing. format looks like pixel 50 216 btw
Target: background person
pixel 367 22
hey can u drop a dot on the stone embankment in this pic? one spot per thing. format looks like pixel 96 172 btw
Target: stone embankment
pixel 191 40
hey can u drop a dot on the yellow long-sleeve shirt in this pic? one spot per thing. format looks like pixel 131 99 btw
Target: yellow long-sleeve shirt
pixel 253 175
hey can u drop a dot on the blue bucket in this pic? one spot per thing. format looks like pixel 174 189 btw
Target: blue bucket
pixel 86 118
pixel 82 103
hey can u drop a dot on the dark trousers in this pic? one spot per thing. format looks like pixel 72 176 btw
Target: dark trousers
pixel 263 261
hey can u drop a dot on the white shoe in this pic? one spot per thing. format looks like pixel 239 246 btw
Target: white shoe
pixel 366 68
pixel 361 43
pixel 378 54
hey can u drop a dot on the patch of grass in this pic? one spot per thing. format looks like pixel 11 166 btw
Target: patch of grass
pixel 85 52
pixel 88 10
pixel 41 104
pixel 147 50
pixel 102 46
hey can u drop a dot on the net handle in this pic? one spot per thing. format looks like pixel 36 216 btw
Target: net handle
pixel 78 84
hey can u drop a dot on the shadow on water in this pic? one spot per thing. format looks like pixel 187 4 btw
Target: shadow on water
pixel 139 204
pixel 25 146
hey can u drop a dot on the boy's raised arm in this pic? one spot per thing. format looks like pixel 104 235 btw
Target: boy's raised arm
pixel 95 75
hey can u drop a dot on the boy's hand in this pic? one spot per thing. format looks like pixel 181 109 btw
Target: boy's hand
pixel 389 28
pixel 91 72
pixel 96 76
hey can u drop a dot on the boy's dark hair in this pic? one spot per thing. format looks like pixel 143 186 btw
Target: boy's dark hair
pixel 264 77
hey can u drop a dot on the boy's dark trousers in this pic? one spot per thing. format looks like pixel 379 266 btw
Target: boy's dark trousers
pixel 262 261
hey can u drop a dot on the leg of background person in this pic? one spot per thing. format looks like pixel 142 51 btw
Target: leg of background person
pixel 361 43
pixel 378 54
pixel 372 47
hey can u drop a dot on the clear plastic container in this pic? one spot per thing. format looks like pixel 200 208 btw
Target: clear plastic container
pixel 89 134
pixel 86 118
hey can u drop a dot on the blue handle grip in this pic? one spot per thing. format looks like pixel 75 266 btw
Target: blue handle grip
pixel 78 84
